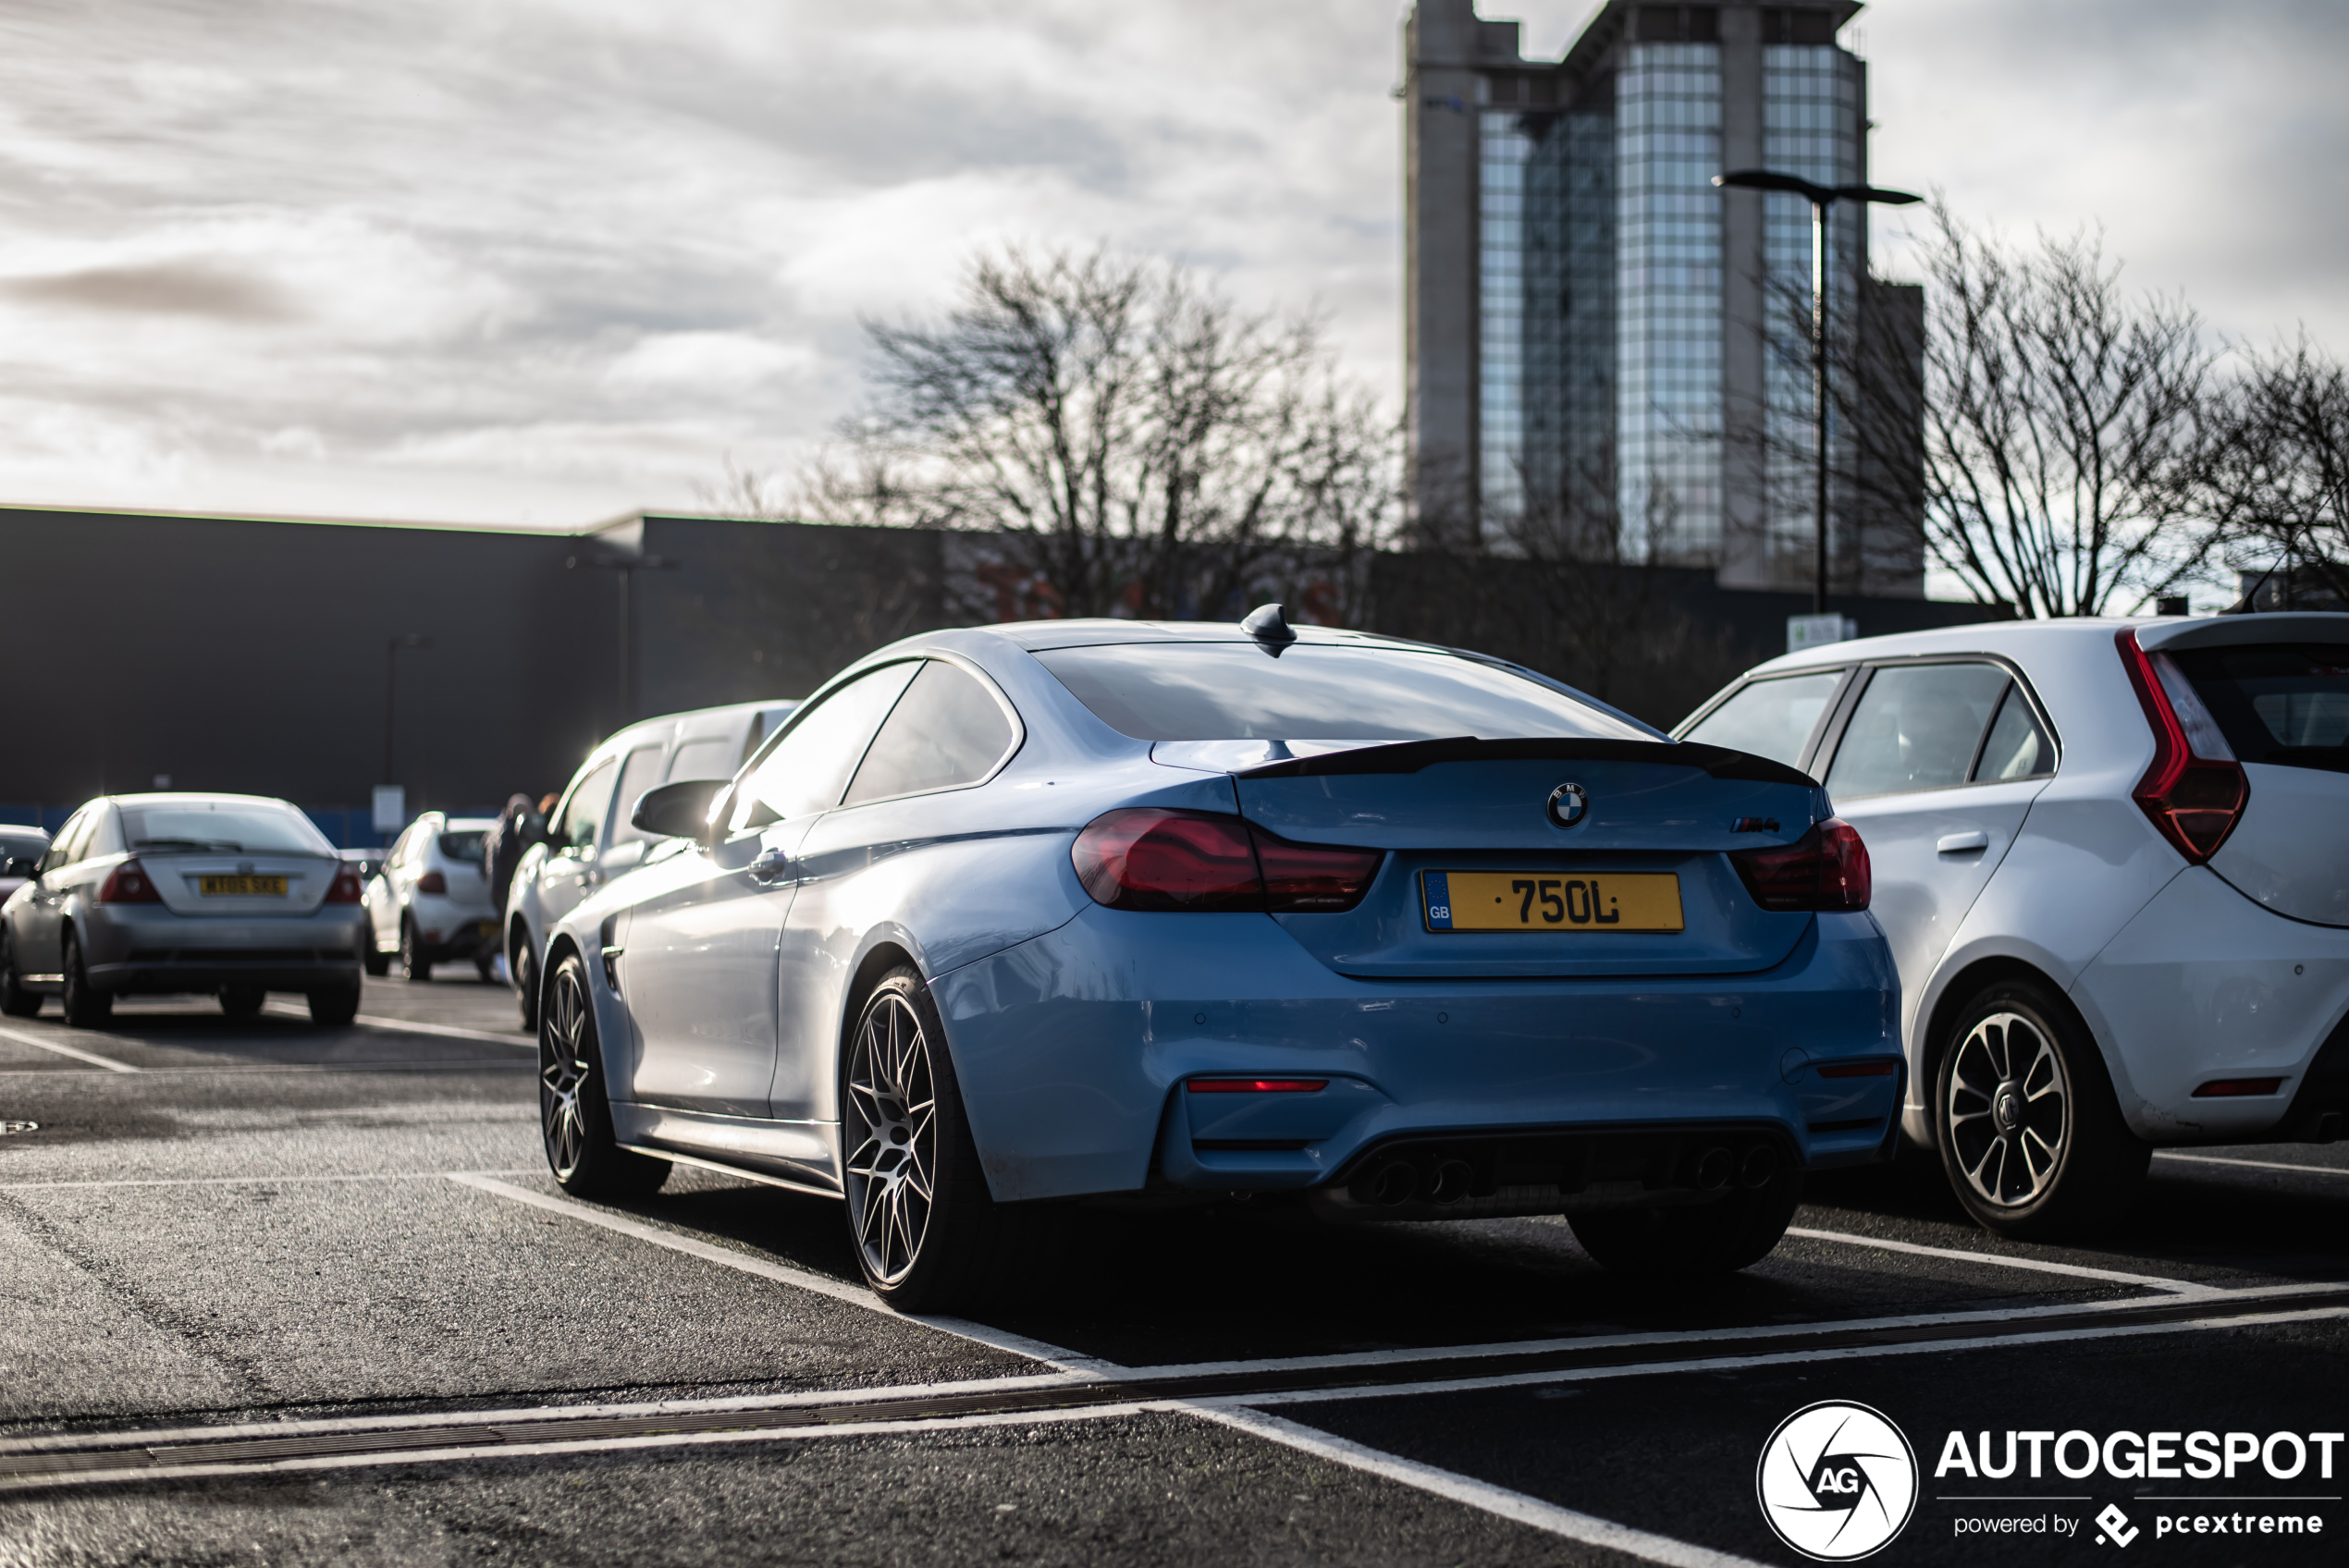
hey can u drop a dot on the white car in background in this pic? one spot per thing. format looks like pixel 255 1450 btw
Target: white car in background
pixel 429 900
pixel 2112 859
pixel 589 840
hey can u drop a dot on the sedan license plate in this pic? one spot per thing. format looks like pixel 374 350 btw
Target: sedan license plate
pixel 1551 900
pixel 242 887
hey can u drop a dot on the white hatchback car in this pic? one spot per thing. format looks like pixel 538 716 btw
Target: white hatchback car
pixel 2112 859
pixel 429 900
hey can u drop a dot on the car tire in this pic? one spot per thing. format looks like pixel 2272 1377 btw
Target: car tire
pixel 243 1001
pixel 574 1115
pixel 378 962
pixel 413 964
pixel 336 1008
pixel 1692 1242
pixel 86 1006
pixel 486 969
pixel 525 973
pixel 17 999
pixel 928 1235
pixel 2031 1137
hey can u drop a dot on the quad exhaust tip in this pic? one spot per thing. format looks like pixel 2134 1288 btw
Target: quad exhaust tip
pixel 1451 1179
pixel 1761 1166
pixel 1716 1168
pixel 1395 1182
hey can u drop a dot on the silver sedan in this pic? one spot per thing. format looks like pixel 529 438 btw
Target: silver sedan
pixel 236 895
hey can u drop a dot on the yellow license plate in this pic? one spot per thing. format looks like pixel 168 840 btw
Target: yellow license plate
pixel 243 887
pixel 1551 900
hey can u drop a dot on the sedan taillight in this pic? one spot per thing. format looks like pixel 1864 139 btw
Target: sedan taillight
pixel 1825 869
pixel 345 889
pixel 2194 792
pixel 128 883
pixel 432 882
pixel 1147 858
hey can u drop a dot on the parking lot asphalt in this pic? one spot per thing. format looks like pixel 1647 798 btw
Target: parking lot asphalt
pixel 279 1294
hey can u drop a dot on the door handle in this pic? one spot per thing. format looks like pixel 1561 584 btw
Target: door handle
pixel 1959 843
pixel 770 867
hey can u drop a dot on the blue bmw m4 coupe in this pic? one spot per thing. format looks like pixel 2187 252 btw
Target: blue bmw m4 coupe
pixel 1114 910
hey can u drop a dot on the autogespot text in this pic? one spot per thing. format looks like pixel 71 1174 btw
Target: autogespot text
pixel 2132 1456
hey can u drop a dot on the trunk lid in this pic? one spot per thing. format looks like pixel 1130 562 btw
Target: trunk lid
pixel 1483 807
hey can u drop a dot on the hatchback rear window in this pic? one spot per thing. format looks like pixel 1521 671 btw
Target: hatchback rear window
pixel 2284 704
pixel 222 829
pixel 464 846
pixel 1239 692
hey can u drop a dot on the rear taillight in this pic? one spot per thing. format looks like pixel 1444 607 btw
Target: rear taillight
pixel 432 882
pixel 2196 791
pixel 128 883
pixel 1152 859
pixel 1825 869
pixel 345 889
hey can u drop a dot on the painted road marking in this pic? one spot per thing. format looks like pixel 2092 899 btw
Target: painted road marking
pixel 2256 1164
pixel 37 1043
pixel 408 1026
pixel 2002 1260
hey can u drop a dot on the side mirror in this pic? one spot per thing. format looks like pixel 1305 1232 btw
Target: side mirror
pixel 676 810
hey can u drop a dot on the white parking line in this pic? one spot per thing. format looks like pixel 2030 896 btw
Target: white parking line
pixel 2002 1260
pixel 1524 1510
pixel 37 1043
pixel 1779 1358
pixel 2256 1164
pixel 783 1273
pixel 410 1026
pixel 247 1181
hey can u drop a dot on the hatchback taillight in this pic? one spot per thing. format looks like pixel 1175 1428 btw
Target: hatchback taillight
pixel 2194 792
pixel 345 889
pixel 1147 858
pixel 432 882
pixel 128 883
pixel 1825 869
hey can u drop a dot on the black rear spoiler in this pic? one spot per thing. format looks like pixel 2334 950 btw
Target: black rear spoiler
pixel 1410 757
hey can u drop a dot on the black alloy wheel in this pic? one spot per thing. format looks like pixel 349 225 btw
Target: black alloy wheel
pixel 17 999
pixel 243 1001
pixel 413 964
pixel 86 1006
pixel 2031 1137
pixel 575 1116
pixel 928 1235
pixel 1731 1232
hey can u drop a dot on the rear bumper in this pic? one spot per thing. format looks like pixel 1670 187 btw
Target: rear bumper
pixel 2204 984
pixel 1072 1048
pixel 143 949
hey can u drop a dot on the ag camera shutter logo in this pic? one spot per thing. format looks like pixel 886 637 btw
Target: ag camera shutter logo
pixel 1837 1481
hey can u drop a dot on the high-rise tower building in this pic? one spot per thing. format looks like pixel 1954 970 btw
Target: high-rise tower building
pixel 1609 352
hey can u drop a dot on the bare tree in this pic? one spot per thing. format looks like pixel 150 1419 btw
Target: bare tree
pixel 1129 441
pixel 2063 428
pixel 2277 479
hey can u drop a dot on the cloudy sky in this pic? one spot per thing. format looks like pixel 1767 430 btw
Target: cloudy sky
pixel 542 262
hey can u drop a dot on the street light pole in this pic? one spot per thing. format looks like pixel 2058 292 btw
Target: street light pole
pixel 1821 198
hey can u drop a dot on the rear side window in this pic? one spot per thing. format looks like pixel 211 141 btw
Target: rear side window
pixel 2018 746
pixel 1917 727
pixel 1239 692
pixel 812 760
pixel 2286 705
pixel 1770 718
pixel 463 845
pixel 947 730
pixel 638 774
pixel 582 814
pixel 704 759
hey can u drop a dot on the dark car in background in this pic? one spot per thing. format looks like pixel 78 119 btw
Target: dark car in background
pixel 21 847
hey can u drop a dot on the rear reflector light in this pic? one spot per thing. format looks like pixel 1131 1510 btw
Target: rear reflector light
pixel 1147 858
pixel 432 882
pixel 2229 1088
pixel 128 883
pixel 2194 792
pixel 1258 1085
pixel 345 889
pixel 1825 869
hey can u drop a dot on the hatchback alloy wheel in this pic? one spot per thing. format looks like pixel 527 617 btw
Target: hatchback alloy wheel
pixel 892 1137
pixel 563 1075
pixel 2009 1111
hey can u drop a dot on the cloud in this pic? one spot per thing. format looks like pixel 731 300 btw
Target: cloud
pixel 159 289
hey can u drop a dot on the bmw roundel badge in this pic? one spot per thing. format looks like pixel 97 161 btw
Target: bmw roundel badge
pixel 1570 803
